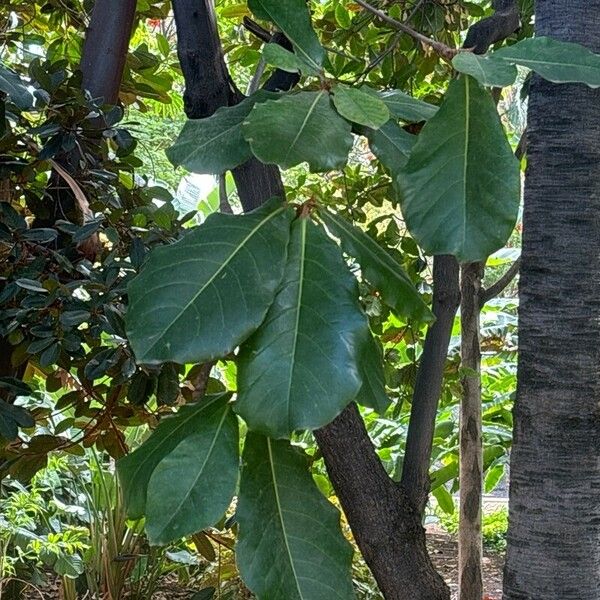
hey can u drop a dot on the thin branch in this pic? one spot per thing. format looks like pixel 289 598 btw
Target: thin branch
pixel 497 288
pixel 442 49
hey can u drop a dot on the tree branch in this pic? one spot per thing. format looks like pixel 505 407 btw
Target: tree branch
pixel 504 22
pixel 417 459
pixel 497 288
pixel 442 49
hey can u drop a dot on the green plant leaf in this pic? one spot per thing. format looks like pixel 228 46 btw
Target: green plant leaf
pixel 290 544
pixel 200 475
pixel 489 72
pixel 199 298
pixel 216 144
pixel 444 499
pixel 11 84
pixel 135 469
pixel 293 18
pixel 300 369
pixel 556 61
pixel 299 128
pixel 379 268
pixel 460 190
pixel 391 144
pixel 360 107
pixel 283 59
pixel 372 394
pixel 406 108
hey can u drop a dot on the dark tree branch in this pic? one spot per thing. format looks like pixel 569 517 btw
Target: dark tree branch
pixel 208 86
pixel 497 288
pixel 504 22
pixel 105 48
pixel 442 49
pixel 417 459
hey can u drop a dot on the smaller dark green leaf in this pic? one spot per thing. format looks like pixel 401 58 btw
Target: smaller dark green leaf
pixel 360 107
pixel 390 144
pixel 200 474
pixel 406 108
pixel 11 418
pixel 16 386
pixel 298 128
pixel 379 268
pixel 283 59
pixel 140 388
pixel 11 84
pixel 216 144
pixel 136 469
pixel 167 387
pixel 554 60
pixel 31 285
pixel 489 72
pixel 293 18
pixel 372 394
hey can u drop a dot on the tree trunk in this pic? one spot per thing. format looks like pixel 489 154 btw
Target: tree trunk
pixel 470 550
pixel 105 48
pixel 554 532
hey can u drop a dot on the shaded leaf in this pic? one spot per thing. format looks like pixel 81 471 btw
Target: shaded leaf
pixel 391 144
pixel 135 469
pixel 299 128
pixel 292 17
pixel 216 144
pixel 556 61
pixel 197 299
pixel 11 84
pixel 300 369
pixel 379 268
pixel 283 59
pixel 460 190
pixel 200 475
pixel 360 107
pixel 488 72
pixel 372 394
pixel 406 108
pixel 290 544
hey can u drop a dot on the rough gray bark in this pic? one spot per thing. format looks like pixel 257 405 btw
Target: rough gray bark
pixel 470 549
pixel 554 532
pixel 428 386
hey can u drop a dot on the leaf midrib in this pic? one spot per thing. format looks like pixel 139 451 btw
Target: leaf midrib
pixel 302 127
pixel 212 278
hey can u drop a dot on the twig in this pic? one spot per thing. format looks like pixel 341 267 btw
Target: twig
pixel 442 49
pixel 497 288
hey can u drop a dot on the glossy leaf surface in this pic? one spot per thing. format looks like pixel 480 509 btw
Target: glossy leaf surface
pixel 290 544
pixel 300 369
pixel 460 190
pixel 360 107
pixel 379 268
pixel 192 486
pixel 198 299
pixel 135 469
pixel 216 144
pixel 298 128
pixel 292 17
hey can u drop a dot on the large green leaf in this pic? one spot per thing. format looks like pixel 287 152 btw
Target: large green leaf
pixel 298 128
pixel 300 369
pixel 11 84
pixel 406 108
pixel 487 71
pixel 199 298
pixel 216 144
pixel 290 544
pixel 391 144
pixel 379 268
pixel 460 189
pixel 135 469
pixel 200 475
pixel 372 394
pixel 293 18
pixel 556 61
pixel 360 107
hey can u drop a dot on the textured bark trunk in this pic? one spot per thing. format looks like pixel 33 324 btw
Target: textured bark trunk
pixel 470 549
pixel 554 532
pixel 417 459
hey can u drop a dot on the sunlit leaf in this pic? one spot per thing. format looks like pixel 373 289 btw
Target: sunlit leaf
pixel 488 72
